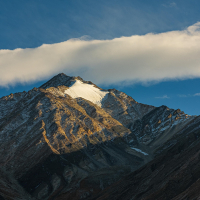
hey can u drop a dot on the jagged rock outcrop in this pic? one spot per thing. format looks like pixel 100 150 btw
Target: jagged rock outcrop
pixel 70 139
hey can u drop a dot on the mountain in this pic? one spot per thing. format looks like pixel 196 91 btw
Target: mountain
pixel 70 139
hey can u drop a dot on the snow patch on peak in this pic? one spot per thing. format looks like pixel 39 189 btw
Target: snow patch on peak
pixel 86 91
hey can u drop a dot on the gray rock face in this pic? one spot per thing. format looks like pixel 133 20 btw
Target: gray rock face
pixel 54 146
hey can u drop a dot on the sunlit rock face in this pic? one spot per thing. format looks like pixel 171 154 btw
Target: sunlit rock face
pixel 70 139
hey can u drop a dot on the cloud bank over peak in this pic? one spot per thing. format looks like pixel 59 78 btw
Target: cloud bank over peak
pixel 138 58
pixel 163 97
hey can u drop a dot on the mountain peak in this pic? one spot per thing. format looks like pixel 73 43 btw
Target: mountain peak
pixel 63 79
pixel 60 79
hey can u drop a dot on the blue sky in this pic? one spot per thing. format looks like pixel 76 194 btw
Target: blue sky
pixel 30 24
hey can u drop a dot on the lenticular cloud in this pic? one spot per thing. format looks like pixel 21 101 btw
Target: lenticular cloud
pixel 138 58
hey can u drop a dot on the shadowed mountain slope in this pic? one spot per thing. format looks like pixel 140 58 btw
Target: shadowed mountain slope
pixel 173 175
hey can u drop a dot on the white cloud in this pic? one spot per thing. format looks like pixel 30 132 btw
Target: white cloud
pixel 163 97
pixel 145 58
pixel 183 95
pixel 188 95
pixel 172 4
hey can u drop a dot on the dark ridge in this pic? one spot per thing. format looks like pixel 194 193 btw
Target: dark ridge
pixel 58 80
